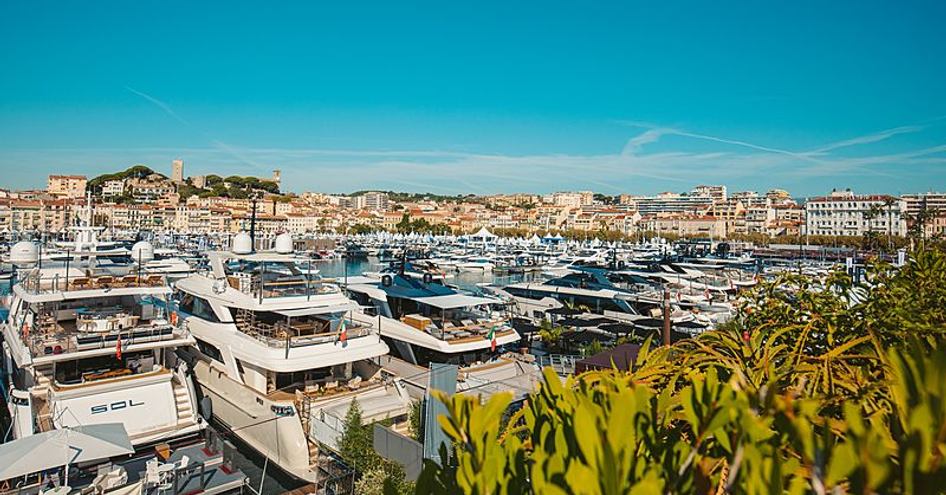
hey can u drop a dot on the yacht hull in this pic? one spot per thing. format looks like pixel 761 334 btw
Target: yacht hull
pixel 250 417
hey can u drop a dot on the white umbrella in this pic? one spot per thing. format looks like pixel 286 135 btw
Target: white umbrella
pixel 62 447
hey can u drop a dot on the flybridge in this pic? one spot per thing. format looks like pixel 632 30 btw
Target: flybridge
pixel 266 275
pixel 71 283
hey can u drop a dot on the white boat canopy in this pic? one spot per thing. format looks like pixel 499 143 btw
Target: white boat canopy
pixel 455 301
pixel 61 447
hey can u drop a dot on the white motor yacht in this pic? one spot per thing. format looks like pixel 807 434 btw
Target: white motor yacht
pixel 82 347
pixel 281 355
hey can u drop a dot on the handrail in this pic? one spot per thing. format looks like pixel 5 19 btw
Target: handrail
pixel 294 341
pixel 69 341
pixel 35 283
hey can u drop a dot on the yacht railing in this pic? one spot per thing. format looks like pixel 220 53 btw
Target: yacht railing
pixel 56 341
pixel 458 331
pixel 37 284
pixel 563 364
pixel 255 286
pixel 281 335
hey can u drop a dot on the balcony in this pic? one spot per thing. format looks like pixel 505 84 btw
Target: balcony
pixel 289 333
pixel 51 338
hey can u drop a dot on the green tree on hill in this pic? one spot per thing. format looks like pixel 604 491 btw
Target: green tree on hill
pixel 136 171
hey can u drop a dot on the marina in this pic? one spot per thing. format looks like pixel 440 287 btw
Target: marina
pixel 258 346
pixel 269 346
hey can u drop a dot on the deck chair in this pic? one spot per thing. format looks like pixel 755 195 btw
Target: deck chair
pixel 109 476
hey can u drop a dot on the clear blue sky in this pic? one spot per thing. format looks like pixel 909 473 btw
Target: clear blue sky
pixel 479 97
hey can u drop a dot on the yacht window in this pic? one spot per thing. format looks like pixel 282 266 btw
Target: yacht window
pixel 103 367
pixel 19 378
pixel 198 307
pixel 286 381
pixel 209 350
pixel 426 356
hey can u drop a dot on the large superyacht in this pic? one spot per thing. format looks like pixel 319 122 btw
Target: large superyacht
pixel 279 358
pixel 426 322
pixel 82 346
pixel 590 291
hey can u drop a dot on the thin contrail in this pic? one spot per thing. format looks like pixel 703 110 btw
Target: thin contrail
pixel 160 104
pixel 869 138
pixel 215 142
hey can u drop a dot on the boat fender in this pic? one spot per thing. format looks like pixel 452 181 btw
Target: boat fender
pixel 206 407
pixel 174 318
pixel 428 278
pixel 387 280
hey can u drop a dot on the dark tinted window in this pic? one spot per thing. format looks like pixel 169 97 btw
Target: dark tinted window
pixel 209 350
pixel 198 307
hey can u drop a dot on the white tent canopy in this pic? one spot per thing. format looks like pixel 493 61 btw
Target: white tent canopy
pixel 483 233
pixel 61 447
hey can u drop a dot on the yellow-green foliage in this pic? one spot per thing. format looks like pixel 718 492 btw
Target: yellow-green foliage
pixel 814 388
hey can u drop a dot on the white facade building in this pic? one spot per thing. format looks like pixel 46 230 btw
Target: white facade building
pixel 842 213
pixel 373 200
pixel 113 188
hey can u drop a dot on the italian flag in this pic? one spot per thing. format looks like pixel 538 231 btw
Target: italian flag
pixel 492 338
pixel 343 332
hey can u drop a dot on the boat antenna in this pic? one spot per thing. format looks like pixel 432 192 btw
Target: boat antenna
pixel 253 226
pixel 403 261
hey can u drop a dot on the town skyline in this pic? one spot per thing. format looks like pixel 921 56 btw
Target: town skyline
pixel 142 199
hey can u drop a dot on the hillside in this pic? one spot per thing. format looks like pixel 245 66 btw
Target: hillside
pixel 137 171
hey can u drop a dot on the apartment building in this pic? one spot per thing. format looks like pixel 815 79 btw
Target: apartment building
pixel 373 200
pixel 843 213
pixel 36 215
pixel 674 203
pixel 150 189
pixel 934 204
pixel 570 199
pixel 702 226
pixel 133 217
pixel 112 188
pixel 718 193
pixel 66 186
